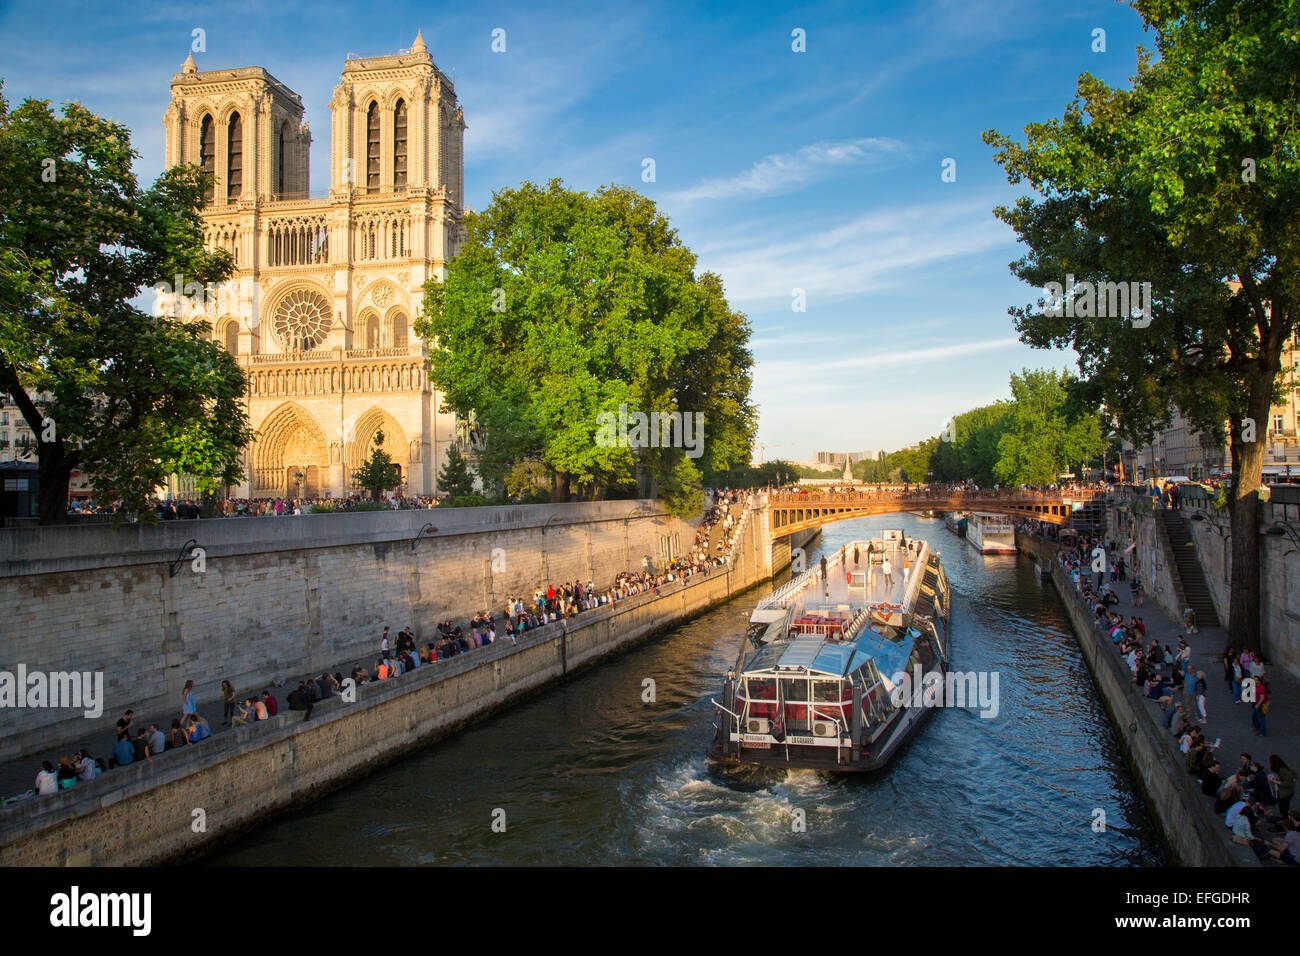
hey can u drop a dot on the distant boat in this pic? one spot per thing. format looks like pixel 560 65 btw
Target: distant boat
pixel 957 522
pixel 991 534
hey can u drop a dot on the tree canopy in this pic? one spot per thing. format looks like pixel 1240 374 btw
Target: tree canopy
pixel 1045 436
pixel 563 306
pixel 126 396
pixel 1188 180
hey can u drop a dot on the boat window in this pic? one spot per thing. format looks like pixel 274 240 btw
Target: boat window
pixel 828 691
pixel 796 689
pixel 758 688
pixel 875 704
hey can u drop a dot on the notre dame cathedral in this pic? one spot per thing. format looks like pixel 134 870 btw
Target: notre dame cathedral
pixel 329 285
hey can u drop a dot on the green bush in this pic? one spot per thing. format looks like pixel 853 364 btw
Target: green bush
pixel 464 501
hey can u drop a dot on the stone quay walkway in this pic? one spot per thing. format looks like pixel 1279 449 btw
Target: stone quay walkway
pixel 18 776
pixel 1226 721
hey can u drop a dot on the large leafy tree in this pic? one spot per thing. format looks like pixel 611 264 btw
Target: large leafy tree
pixel 1190 180
pixel 127 396
pixel 564 305
pixel 1046 435
pixel 970 449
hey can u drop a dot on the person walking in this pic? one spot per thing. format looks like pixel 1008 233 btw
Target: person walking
pixel 227 701
pixel 1283 777
pixel 887 569
pixel 187 699
pixel 1259 712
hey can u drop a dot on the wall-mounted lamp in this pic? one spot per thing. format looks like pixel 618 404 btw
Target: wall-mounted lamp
pixel 187 552
pixel 427 529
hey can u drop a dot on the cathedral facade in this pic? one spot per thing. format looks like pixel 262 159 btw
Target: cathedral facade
pixel 319 310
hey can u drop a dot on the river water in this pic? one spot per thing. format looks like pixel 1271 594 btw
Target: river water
pixel 587 772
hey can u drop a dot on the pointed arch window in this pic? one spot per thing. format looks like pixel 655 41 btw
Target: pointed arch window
pixel 207 154
pixel 372 332
pixel 234 157
pixel 399 145
pixel 232 338
pixel 397 332
pixel 372 148
pixel 284 142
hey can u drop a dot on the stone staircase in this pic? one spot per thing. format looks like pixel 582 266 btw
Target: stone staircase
pixel 1191 578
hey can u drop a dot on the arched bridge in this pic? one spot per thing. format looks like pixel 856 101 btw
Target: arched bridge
pixel 798 511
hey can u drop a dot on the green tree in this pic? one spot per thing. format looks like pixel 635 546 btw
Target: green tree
pixel 455 478
pixel 1188 180
pixel 972 451
pixel 564 305
pixel 125 396
pixel 378 473
pixel 526 481
pixel 1046 436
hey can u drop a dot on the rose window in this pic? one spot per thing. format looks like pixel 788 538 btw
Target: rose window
pixel 302 320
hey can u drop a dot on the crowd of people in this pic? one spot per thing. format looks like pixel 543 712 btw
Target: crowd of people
pixel 1256 796
pixel 172 509
pixel 403 653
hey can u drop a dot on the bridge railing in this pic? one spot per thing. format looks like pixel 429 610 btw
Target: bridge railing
pixel 921 495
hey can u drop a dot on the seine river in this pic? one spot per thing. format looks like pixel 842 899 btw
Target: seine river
pixel 588 773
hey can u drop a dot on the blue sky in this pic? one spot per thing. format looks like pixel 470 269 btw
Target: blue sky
pixel 817 171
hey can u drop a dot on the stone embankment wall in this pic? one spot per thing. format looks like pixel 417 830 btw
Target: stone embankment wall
pixel 1279 569
pixel 177 805
pixel 290 596
pixel 1171 795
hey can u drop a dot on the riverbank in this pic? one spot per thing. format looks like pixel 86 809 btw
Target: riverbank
pixel 1193 835
pixel 173 807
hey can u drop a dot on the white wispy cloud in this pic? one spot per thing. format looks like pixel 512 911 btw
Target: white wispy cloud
pixel 870 253
pixel 784 172
pixel 878 359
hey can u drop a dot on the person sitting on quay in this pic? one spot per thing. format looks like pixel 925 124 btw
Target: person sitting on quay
pixel 1287 849
pixel 244 713
pixel 197 729
pixel 176 736
pixel 300 699
pixel 1243 831
pixel 88 767
pixel 47 779
pixel 1229 795
pixel 67 774
pixel 270 706
pixel 157 740
pixel 141 746
pixel 123 751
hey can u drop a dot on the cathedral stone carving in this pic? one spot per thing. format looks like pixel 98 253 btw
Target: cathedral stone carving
pixel 329 375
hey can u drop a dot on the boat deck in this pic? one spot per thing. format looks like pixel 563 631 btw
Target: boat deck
pixel 836 589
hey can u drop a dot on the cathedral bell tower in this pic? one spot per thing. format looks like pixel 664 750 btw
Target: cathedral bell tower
pixel 397 127
pixel 244 127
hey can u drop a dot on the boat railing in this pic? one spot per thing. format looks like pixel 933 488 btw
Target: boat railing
pixel 736 722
